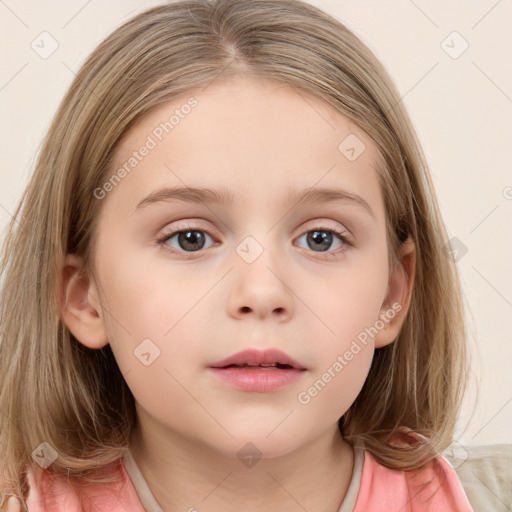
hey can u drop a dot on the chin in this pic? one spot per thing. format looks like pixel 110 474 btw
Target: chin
pixel 256 445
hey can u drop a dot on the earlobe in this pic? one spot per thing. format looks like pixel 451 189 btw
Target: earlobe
pixel 80 309
pixel 396 304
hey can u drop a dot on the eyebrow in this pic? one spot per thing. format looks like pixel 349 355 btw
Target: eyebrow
pixel 224 197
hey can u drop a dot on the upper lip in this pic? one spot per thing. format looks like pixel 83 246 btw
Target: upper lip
pixel 253 356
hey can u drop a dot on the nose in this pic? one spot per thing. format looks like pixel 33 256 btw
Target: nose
pixel 261 290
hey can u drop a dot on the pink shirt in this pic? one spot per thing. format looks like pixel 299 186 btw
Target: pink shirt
pixel 435 489
pixel 373 488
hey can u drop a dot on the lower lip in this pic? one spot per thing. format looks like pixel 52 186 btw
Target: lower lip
pixel 259 380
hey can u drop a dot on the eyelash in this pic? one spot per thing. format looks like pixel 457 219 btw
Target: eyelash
pixel 342 234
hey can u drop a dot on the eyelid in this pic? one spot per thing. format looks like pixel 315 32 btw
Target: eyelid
pixel 310 225
pixel 182 226
pixel 327 225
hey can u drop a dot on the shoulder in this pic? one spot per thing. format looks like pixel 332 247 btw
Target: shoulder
pixel 485 473
pixel 436 487
pixel 49 492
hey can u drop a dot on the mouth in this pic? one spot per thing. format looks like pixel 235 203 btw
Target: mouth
pixel 268 366
pixel 258 372
pixel 271 358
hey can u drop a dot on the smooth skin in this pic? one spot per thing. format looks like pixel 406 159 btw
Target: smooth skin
pixel 259 139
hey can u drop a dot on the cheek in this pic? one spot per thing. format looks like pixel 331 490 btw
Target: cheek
pixel 346 302
pixel 347 307
pixel 334 386
pixel 145 313
pixel 343 356
pixel 157 337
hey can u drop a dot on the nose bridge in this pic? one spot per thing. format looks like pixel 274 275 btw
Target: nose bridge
pixel 261 247
pixel 260 283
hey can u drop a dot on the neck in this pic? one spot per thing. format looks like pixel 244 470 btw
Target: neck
pixel 183 474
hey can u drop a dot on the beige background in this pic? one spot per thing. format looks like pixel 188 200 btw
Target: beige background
pixel 460 103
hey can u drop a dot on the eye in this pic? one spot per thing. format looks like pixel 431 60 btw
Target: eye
pixel 322 238
pixel 188 239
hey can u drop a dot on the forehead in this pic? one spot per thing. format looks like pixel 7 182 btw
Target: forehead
pixel 260 138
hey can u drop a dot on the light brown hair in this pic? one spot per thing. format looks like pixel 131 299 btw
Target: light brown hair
pixel 53 389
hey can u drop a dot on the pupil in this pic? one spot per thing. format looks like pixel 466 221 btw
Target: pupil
pixel 321 238
pixel 190 239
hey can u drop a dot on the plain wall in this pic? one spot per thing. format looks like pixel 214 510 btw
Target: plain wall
pixel 460 103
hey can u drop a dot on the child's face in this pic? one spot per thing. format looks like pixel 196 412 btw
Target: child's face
pixel 259 277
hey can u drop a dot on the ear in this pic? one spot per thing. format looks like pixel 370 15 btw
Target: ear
pixel 80 309
pixel 396 303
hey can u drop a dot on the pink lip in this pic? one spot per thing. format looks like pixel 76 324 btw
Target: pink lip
pixel 253 356
pixel 258 379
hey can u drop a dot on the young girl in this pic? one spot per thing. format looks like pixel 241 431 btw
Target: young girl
pixel 225 287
